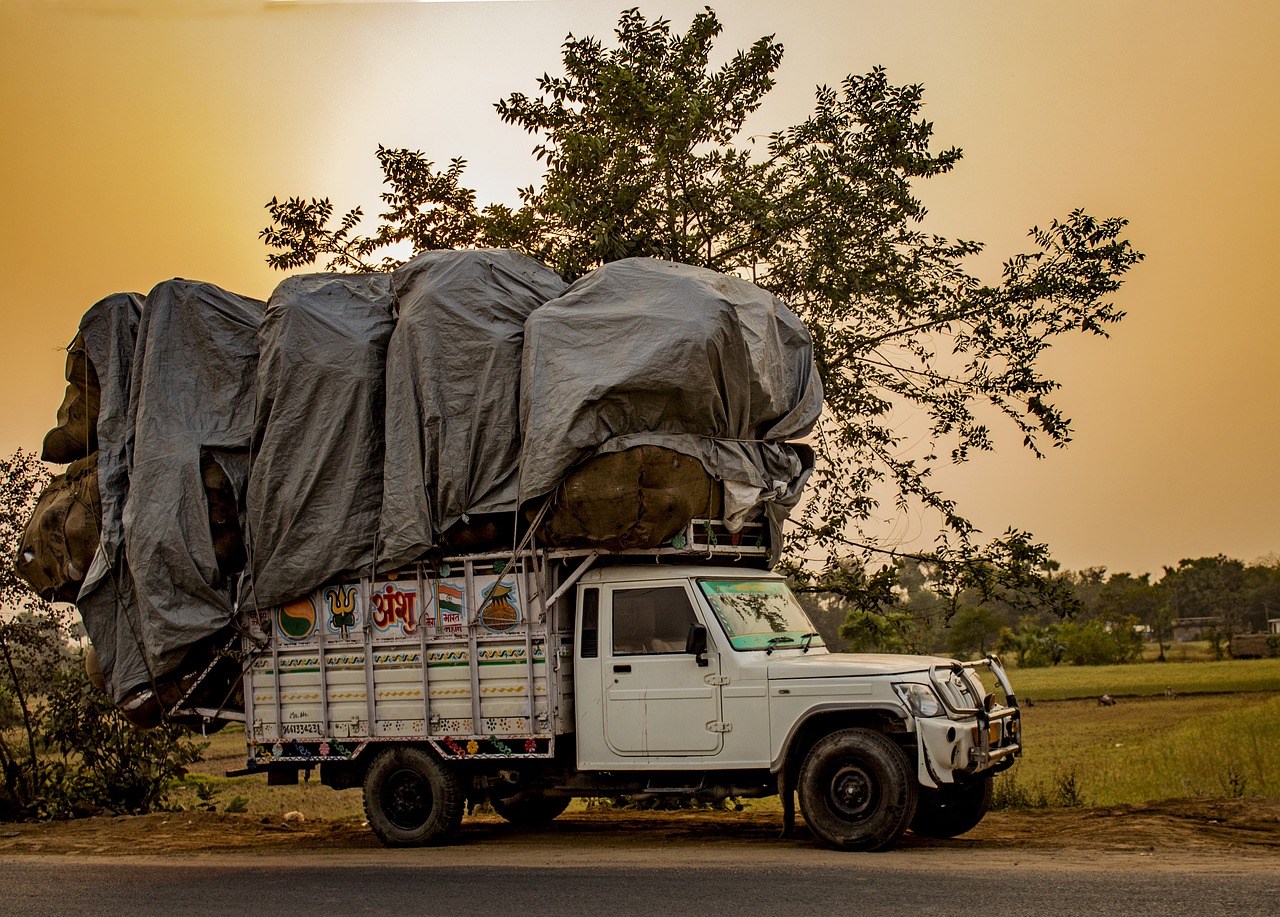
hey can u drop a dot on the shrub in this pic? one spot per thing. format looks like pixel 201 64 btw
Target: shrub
pixel 107 762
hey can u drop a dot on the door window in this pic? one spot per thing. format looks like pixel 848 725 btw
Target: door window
pixel 650 621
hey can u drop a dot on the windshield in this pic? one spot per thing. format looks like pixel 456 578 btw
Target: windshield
pixel 759 614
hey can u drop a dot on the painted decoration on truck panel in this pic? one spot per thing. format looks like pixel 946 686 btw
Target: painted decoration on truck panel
pixel 500 609
pixel 342 604
pixel 297 619
pixel 395 608
pixel 450 600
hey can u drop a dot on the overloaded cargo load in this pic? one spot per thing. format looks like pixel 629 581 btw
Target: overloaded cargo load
pixel 176 374
pixel 360 423
pixel 192 400
pixel 647 353
pixel 453 384
pixel 315 488
pixel 86 564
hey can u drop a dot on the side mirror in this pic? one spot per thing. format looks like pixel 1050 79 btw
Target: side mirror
pixel 696 643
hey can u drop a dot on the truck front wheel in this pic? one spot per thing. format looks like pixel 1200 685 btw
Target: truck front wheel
pixel 857 790
pixel 411 798
pixel 951 811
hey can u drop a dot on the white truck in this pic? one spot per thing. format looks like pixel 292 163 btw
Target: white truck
pixel 534 677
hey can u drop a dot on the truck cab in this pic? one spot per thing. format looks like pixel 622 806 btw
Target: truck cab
pixel 699 671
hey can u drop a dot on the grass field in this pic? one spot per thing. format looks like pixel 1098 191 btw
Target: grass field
pixel 1148 748
pixel 1219 735
pixel 1147 679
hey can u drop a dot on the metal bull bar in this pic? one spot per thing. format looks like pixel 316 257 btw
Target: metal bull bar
pixel 998 745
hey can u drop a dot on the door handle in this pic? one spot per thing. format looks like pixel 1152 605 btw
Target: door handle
pixel 622 668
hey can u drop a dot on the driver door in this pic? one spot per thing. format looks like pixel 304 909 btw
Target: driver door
pixel 657 700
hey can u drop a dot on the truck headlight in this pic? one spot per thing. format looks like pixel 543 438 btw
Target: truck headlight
pixel 920 699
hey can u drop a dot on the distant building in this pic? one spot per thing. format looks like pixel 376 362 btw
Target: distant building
pixel 1185 629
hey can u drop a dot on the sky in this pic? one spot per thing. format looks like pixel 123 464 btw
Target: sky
pixel 142 139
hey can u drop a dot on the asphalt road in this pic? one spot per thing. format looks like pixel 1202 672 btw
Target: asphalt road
pixel 862 885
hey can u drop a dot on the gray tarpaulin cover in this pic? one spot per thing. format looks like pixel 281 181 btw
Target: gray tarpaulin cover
pixel 647 352
pixel 316 483
pixel 453 382
pixel 490 398
pixel 191 391
pixel 110 328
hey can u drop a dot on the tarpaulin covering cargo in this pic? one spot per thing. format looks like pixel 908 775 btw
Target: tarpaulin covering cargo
pixel 109 331
pixel 643 352
pixel 453 392
pixel 156 587
pixel 315 488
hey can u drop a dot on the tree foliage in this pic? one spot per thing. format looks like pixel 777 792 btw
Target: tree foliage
pixel 644 152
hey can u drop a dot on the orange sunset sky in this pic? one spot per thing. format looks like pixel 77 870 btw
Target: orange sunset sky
pixel 141 140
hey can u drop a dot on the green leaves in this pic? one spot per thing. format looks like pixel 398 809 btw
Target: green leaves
pixel 426 209
pixel 638 144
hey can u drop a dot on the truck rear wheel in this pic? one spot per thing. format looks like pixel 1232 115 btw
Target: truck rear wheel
pixel 951 811
pixel 857 790
pixel 411 798
pixel 531 809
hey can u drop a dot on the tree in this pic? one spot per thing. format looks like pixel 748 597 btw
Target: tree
pixel 644 154
pixel 974 630
pixel 1208 587
pixel 1262 593
pixel 31 632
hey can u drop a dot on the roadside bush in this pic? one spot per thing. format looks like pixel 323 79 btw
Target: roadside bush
pixel 64 747
pixel 105 762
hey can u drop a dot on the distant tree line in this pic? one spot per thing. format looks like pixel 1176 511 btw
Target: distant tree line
pixel 1087 617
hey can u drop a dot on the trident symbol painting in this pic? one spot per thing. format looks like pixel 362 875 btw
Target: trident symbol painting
pixel 342 608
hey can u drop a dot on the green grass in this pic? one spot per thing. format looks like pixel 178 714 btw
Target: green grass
pixel 1149 748
pixel 1064 682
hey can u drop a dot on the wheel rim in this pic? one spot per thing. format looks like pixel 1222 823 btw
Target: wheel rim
pixel 852 792
pixel 406 799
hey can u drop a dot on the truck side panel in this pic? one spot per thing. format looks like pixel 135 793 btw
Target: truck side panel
pixel 345 664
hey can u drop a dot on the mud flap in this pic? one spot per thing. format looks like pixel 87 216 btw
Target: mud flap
pixel 787 792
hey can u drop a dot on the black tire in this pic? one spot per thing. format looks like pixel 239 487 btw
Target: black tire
pixel 530 810
pixel 411 799
pixel 953 810
pixel 857 790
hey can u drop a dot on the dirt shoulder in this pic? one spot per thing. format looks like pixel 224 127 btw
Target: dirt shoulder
pixel 1214 832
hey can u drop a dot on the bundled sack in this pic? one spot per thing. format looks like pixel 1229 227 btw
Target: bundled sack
pixel 61 537
pixel 76 435
pixel 642 352
pixel 315 488
pixel 453 394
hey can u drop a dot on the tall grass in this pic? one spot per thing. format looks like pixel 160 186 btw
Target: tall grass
pixel 1147 749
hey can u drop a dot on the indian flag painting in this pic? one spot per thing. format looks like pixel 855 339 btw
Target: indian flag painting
pixel 500 610
pixel 449 599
